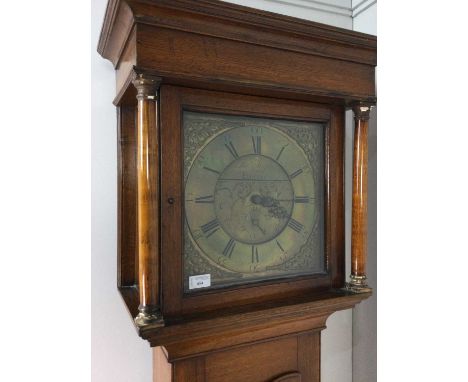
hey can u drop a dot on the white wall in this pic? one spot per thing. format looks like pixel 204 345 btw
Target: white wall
pixel 332 12
pixel 365 16
pixel 118 354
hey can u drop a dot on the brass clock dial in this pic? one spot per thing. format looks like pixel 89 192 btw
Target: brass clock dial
pixel 251 198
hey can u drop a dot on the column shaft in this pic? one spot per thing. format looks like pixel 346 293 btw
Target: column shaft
pixel 359 205
pixel 147 199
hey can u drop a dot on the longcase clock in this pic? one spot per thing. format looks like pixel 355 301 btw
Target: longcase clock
pixel 231 250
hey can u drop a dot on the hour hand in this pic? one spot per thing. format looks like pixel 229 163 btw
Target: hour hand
pixel 256 199
pixel 264 201
pixel 268 201
pixel 274 207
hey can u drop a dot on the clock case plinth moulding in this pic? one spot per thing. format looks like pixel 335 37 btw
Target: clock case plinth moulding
pixel 169 52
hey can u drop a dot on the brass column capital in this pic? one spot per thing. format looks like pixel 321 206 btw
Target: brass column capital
pixel 146 85
pixel 362 110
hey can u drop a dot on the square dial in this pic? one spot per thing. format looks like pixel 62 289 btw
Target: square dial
pixel 254 199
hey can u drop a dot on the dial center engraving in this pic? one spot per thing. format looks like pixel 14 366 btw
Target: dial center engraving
pixel 253 199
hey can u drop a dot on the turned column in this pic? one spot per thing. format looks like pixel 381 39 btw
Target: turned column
pixel 147 199
pixel 358 278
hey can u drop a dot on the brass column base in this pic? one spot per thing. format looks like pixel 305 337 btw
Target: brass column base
pixel 358 284
pixel 147 317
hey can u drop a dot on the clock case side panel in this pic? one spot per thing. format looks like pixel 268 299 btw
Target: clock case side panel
pixel 127 255
pixel 174 100
pixel 335 205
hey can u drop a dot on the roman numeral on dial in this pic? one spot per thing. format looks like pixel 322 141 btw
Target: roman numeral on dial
pixel 210 228
pixel 231 149
pixel 211 170
pixel 301 199
pixel 295 173
pixel 257 144
pixel 295 225
pixel 279 246
pixel 281 152
pixel 254 254
pixel 205 199
pixel 229 248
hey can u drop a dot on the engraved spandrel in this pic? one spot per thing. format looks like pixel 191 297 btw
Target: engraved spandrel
pixel 198 130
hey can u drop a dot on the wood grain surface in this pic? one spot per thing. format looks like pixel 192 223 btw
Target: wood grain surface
pixel 147 153
pixel 359 201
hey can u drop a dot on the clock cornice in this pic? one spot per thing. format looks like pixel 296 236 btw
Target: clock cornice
pixel 153 35
pixel 155 12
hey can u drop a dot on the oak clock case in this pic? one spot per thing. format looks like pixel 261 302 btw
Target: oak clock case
pixel 253 199
pixel 231 229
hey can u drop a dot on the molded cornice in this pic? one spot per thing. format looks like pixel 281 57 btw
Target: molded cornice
pixel 129 12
